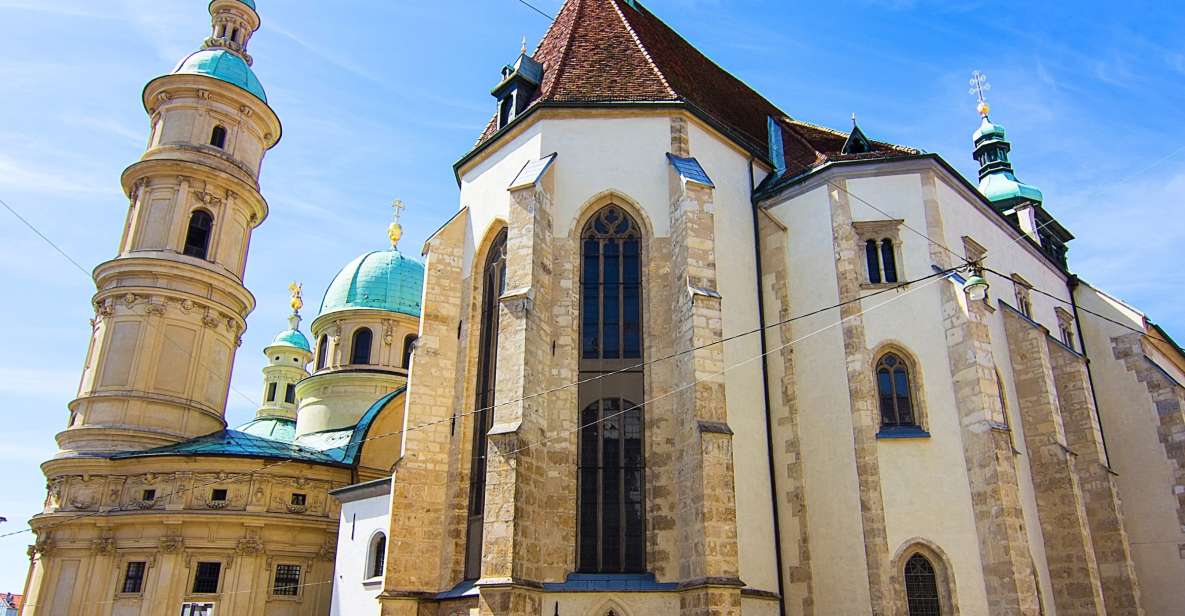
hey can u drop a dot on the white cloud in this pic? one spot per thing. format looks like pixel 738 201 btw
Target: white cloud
pixel 19 175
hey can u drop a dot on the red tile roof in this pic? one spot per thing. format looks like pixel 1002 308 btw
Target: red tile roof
pixel 607 51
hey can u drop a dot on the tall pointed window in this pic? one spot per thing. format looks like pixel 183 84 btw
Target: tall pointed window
pixel 611 523
pixel 895 391
pixel 493 285
pixel 322 351
pixel 360 349
pixel 921 587
pixel 197 236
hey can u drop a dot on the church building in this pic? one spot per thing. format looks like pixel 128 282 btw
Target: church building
pixel 676 352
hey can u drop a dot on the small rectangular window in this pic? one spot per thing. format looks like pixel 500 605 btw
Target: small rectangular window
pixel 287 580
pixel 218 494
pixel 299 499
pixel 133 580
pixel 149 495
pixel 205 580
pixel 271 392
pixel 290 393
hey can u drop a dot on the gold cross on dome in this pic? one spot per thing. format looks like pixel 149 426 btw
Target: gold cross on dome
pixel 398 206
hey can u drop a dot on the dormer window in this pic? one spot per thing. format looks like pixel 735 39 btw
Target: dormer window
pixel 506 110
pixel 517 85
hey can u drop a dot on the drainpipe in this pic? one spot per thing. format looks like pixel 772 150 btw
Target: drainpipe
pixel 769 424
pixel 1072 283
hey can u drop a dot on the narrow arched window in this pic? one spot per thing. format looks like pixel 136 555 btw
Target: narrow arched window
pixel 874 262
pixel 290 393
pixel 360 348
pixel 888 260
pixel 409 345
pixel 197 236
pixel 493 285
pixel 377 557
pixel 271 392
pixel 234 35
pixel 218 137
pixel 921 587
pixel 612 521
pixel 322 350
pixel 895 390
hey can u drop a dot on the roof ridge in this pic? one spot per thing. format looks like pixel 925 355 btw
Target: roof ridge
pixel 645 52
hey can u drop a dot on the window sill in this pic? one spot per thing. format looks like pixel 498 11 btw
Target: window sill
pixel 902 432
pixel 274 597
pixel 372 582
pixel 878 286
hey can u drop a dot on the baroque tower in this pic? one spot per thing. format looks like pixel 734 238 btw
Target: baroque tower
pixel 171 307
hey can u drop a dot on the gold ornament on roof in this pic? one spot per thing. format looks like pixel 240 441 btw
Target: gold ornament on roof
pixel 296 303
pixel 395 230
pixel 979 85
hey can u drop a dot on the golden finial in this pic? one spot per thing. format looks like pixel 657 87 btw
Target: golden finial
pixel 979 85
pixel 297 303
pixel 395 230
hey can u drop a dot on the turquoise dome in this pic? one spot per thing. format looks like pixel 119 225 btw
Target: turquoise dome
pixel 382 280
pixel 275 428
pixel 987 127
pixel 1004 185
pixel 223 66
pixel 250 3
pixel 292 338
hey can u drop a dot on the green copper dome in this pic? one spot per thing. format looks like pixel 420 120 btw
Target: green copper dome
pixel 275 428
pixel 987 127
pixel 382 280
pixel 223 66
pixel 292 338
pixel 1004 185
pixel 250 3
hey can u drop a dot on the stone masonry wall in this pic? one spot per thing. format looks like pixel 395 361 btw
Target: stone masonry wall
pixel 1100 492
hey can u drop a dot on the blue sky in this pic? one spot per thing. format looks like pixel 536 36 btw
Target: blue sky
pixel 380 97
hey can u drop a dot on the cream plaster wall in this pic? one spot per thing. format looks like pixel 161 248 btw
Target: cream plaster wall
pixel 1129 418
pixel 839 578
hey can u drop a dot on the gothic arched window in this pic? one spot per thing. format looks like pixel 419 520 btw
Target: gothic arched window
pixel 493 285
pixel 611 278
pixel 895 390
pixel 612 520
pixel 921 587
pixel 322 350
pixel 360 348
pixel 218 137
pixel 611 525
pixel 197 236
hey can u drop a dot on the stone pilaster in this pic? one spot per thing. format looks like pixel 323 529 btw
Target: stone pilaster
pixel 1100 492
pixel 706 509
pixel 419 492
pixel 1073 570
pixel 862 398
pixel 796 553
pixel 516 475
pixel 987 447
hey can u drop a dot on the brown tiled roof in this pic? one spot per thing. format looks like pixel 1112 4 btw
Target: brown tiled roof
pixel 607 51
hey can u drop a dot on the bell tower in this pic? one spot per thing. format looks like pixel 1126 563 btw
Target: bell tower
pixel 171 307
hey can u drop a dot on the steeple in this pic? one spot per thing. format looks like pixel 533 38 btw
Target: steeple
pixel 171 307
pixel 997 181
pixel 520 80
pixel 288 357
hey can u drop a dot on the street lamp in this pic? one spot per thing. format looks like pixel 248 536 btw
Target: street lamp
pixel 976 287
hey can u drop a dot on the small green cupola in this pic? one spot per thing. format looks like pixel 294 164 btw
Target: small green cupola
pixel 997 181
pixel 520 80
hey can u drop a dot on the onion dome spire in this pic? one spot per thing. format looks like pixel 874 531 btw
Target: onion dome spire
pixel 395 230
pixel 997 181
